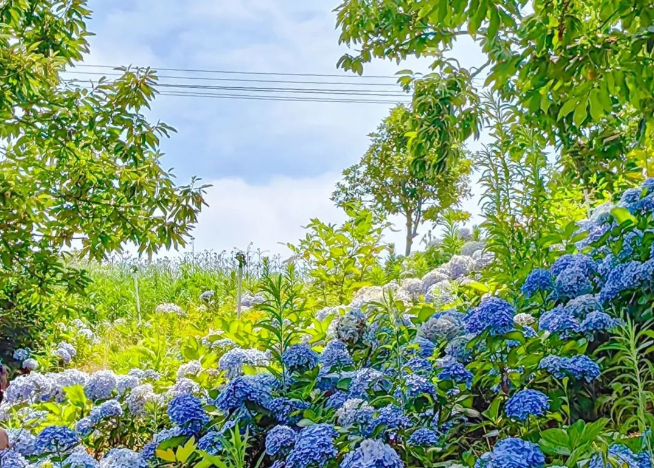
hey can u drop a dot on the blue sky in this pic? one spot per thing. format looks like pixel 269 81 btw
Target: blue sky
pixel 273 165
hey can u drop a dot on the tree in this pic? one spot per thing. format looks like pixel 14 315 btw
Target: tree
pixel 80 166
pixel 386 182
pixel 579 71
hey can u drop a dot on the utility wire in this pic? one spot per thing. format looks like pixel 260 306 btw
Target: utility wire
pixel 318 91
pixel 234 72
pixel 205 78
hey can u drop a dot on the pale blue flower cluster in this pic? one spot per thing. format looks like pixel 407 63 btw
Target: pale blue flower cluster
pixel 211 443
pixel 55 440
pixel 372 453
pixel 335 355
pixel 100 385
pixel 300 357
pixel 11 459
pixel 21 354
pixel 232 361
pixel 120 458
pixel 80 459
pixel 314 446
pixel 512 453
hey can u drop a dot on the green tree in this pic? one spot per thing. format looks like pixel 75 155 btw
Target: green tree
pixel 386 182
pixel 341 259
pixel 579 71
pixel 80 166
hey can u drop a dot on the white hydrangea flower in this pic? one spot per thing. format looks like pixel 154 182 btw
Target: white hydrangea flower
pixel 524 319
pixel 435 276
pixel 190 368
pixel 169 308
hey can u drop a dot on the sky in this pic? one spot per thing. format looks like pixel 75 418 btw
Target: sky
pixel 272 165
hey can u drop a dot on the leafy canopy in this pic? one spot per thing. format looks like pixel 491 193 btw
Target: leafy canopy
pixel 78 163
pixel 580 70
pixel 386 182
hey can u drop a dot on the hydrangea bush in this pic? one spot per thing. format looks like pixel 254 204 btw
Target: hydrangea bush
pixel 438 369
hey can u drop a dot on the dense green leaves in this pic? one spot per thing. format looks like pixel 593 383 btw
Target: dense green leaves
pixel 80 166
pixel 386 182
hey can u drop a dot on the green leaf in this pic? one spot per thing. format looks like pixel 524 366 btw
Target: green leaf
pixel 554 442
pixel 184 452
pixel 568 107
pixel 622 215
pixel 580 112
pixel 167 455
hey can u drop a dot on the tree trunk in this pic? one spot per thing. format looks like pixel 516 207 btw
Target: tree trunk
pixel 409 236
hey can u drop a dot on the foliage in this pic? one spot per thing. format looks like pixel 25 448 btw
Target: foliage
pixel 384 179
pixel 340 259
pixel 77 164
pixel 579 72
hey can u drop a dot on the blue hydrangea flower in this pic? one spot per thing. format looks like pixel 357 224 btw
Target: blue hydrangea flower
pixel 21 441
pixel 84 427
pixel 120 458
pixel 582 305
pixel 579 367
pixel 417 385
pixel 285 410
pixel 539 280
pixel 108 409
pixel 21 354
pixel 443 326
pixel 364 380
pixel 493 314
pixel 334 355
pixel 458 348
pixel 355 411
pixel 372 454
pixel 599 322
pixel 606 265
pixel 12 459
pixel 456 372
pixel 630 197
pixel 314 446
pixel 211 443
pixel 559 320
pixel 55 440
pixel 300 357
pixel 512 453
pixel 422 347
pixel 232 361
pixel 185 410
pixel 392 417
pixel 240 390
pixel 626 457
pixel 583 262
pixel 279 440
pixel 100 385
pixel 80 459
pixel 572 282
pixel 419 365
pixel 336 400
pixel 423 437
pixel 527 403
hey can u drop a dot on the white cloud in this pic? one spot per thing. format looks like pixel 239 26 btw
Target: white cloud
pixel 273 214
pixel 273 165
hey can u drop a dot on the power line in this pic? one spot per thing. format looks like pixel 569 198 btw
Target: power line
pixel 282 98
pixel 319 91
pixel 234 72
pixel 204 78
